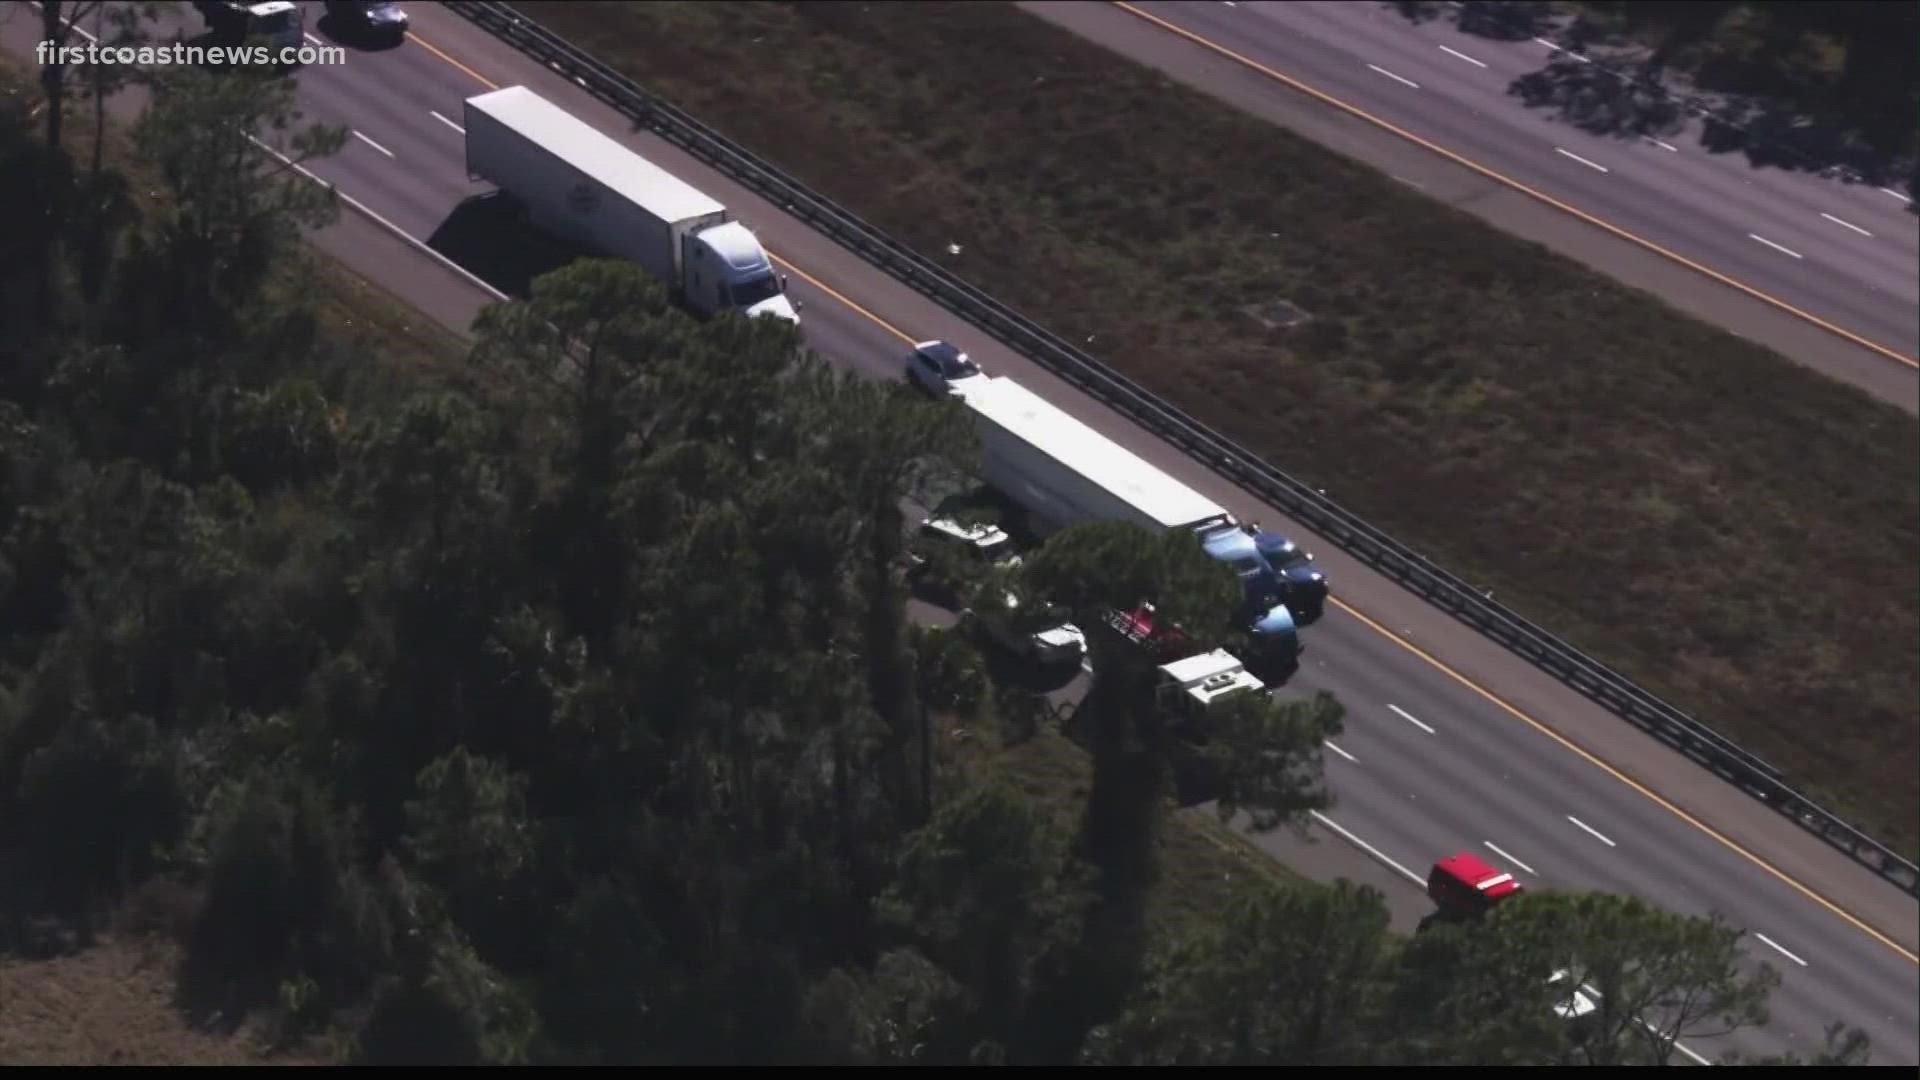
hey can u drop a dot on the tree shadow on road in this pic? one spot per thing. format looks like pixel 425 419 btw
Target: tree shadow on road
pixel 1757 103
pixel 1501 22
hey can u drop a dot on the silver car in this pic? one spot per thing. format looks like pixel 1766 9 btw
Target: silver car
pixel 942 370
pixel 1039 634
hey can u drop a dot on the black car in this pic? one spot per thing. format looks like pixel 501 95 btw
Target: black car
pixel 380 18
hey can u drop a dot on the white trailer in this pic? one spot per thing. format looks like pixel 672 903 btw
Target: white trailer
pixel 584 188
pixel 1063 472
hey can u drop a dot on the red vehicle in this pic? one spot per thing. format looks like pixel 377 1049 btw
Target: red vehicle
pixel 1463 885
pixel 1143 627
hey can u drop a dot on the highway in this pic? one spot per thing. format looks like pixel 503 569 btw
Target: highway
pixel 1847 254
pixel 1452 742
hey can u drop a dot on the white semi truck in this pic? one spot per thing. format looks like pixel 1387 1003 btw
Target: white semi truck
pixel 1062 472
pixel 586 189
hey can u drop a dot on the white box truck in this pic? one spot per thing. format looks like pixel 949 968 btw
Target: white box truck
pixel 581 186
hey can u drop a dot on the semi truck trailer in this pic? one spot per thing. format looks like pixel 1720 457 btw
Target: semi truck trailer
pixel 1062 472
pixel 580 186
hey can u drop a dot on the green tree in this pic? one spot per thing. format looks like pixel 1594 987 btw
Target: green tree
pixel 468 833
pixel 102 804
pixel 583 343
pixel 989 891
pixel 59 21
pixel 906 1011
pixel 1660 977
pixel 1493 991
pixel 451 1009
pixel 1290 976
pixel 105 208
pixel 1840 1046
pixel 609 995
pixel 1107 564
pixel 232 207
pixel 1263 754
pixel 1271 754
pixel 288 915
pixel 952 675
pixel 882 449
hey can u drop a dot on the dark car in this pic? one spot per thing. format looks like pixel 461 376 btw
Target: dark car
pixel 377 18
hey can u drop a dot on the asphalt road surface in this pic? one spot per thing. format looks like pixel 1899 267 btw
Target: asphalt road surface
pixel 1452 743
pixel 1848 254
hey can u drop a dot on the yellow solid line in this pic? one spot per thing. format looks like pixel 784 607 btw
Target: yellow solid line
pixel 1536 725
pixel 477 77
pixel 1515 184
pixel 1410 647
pixel 842 297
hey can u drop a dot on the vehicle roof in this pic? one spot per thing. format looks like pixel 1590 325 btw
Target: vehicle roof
pixel 736 244
pixel 1227 544
pixel 978 533
pixel 940 350
pixel 1273 541
pixel 1472 870
pixel 593 153
pixel 1202 666
pixel 1277 619
pixel 1085 451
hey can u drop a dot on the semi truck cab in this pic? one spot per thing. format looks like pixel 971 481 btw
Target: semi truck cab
pixel 1303 587
pixel 1263 607
pixel 1273 567
pixel 726 268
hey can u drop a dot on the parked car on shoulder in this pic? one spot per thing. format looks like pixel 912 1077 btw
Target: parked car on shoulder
pixel 1040 634
pixel 942 550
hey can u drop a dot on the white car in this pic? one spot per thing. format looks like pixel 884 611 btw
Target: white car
pixel 989 544
pixel 1580 1002
pixel 978 544
pixel 941 369
pixel 1042 635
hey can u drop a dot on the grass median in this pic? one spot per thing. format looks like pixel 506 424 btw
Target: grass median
pixel 1736 532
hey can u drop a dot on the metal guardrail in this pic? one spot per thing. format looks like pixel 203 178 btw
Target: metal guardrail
pixel 1359 539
